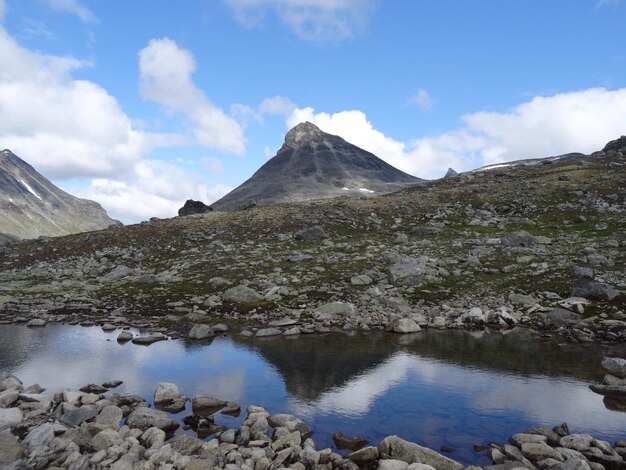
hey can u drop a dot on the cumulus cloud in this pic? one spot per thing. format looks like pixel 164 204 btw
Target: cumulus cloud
pixel 581 121
pixel 73 7
pixel 64 127
pixel 165 78
pixel 421 99
pixel 318 21
pixel 277 105
pixel 213 165
pixel 154 189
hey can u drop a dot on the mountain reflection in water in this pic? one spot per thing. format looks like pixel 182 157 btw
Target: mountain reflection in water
pixel 436 388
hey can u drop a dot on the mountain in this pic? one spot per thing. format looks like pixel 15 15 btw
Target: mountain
pixel 31 206
pixel 312 164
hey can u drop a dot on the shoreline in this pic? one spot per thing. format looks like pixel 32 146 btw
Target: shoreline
pixel 95 427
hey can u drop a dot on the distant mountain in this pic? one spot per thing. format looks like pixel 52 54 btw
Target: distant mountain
pixel 312 164
pixel 31 206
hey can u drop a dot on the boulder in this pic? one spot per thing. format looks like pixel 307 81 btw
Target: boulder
pixel 241 294
pixel 595 291
pixel 192 207
pixel 206 406
pixel 200 331
pixel 348 443
pixel 519 239
pixel 615 366
pixel 105 439
pixel 265 332
pixel 10 448
pixel 167 397
pixel 334 311
pixel 10 417
pixel 311 234
pixel 145 418
pixel 409 452
pixel 405 325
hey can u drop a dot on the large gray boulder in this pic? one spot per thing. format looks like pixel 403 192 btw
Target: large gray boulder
pixel 10 417
pixel 206 406
pixel 10 448
pixel 145 418
pixel 241 294
pixel 410 271
pixel 311 234
pixel 405 326
pixel 167 397
pixel 200 331
pixel 595 291
pixel 615 366
pixel 334 311
pixel 409 452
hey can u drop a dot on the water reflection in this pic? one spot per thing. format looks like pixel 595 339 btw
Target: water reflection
pixel 436 388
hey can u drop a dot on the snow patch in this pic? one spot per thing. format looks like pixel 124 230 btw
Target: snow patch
pixel 493 167
pixel 367 190
pixel 31 190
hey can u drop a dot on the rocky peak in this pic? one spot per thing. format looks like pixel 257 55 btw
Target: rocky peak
pixel 302 133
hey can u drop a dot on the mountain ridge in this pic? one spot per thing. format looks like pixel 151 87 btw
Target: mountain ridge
pixel 31 206
pixel 312 164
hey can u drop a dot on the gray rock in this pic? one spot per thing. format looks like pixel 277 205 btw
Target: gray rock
pixel 361 280
pixel 519 239
pixel 41 436
pixel 200 331
pixel 473 317
pixel 144 418
pixel 536 452
pixel 561 317
pixel 579 442
pixel 110 416
pixel 423 466
pixel 150 339
pixel 519 439
pixel 77 416
pixel 311 234
pixel 405 325
pixel 409 452
pixel 615 366
pixel 8 397
pixel 106 439
pixel 10 417
pixel 167 397
pixel 595 291
pixel 241 294
pixel 186 445
pixel 582 272
pixel 392 464
pixel 573 464
pixel 36 322
pixel 410 272
pixel 265 332
pixel 206 406
pixel 124 336
pixel 334 311
pixel 365 455
pixel 153 438
pixel 522 299
pixel 10 448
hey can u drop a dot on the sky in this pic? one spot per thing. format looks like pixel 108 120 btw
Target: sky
pixel 140 105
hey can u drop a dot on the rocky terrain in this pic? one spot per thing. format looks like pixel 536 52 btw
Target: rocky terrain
pixel 98 428
pixel 311 165
pixel 540 246
pixel 31 206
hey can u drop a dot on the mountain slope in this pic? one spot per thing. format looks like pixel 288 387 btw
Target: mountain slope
pixel 312 164
pixel 31 206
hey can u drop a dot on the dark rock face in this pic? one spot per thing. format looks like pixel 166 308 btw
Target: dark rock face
pixel 616 145
pixel 193 207
pixel 312 164
pixel 31 206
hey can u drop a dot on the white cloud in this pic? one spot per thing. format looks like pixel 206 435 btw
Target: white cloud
pixel 62 126
pixel 277 105
pixel 319 21
pixel 580 121
pixel 213 165
pixel 73 7
pixel 421 99
pixel 165 78
pixel 155 189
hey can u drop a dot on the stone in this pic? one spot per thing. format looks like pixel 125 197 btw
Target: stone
pixel 573 464
pixel 265 332
pixel 144 418
pixel 124 336
pixel 110 416
pixel 522 299
pixel 186 445
pixel 364 455
pixel 206 406
pixel 93 388
pixel 334 311
pixel 112 384
pixel 595 291
pixel 473 317
pixel 11 383
pixel 410 272
pixel 409 452
pixel 201 331
pixel 289 440
pixel 314 233
pixel 519 439
pixel 77 416
pixel 579 442
pixel 36 322
pixel 167 397
pixel 361 280
pixel 423 466
pixel 405 325
pixel 8 397
pixel 105 439
pixel 149 339
pixel 10 417
pixel 615 366
pixel 241 294
pixel 41 436
pixel 561 317
pixel 392 464
pixel 536 452
pixel 519 239
pixel 153 438
pixel 192 207
pixel 10 448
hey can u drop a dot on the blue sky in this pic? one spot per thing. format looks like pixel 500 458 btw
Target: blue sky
pixel 143 104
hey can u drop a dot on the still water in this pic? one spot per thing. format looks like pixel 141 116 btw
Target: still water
pixel 435 388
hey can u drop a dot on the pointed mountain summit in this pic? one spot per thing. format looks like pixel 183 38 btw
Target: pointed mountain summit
pixel 31 206
pixel 312 164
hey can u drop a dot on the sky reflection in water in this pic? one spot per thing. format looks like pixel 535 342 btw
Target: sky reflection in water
pixel 434 388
